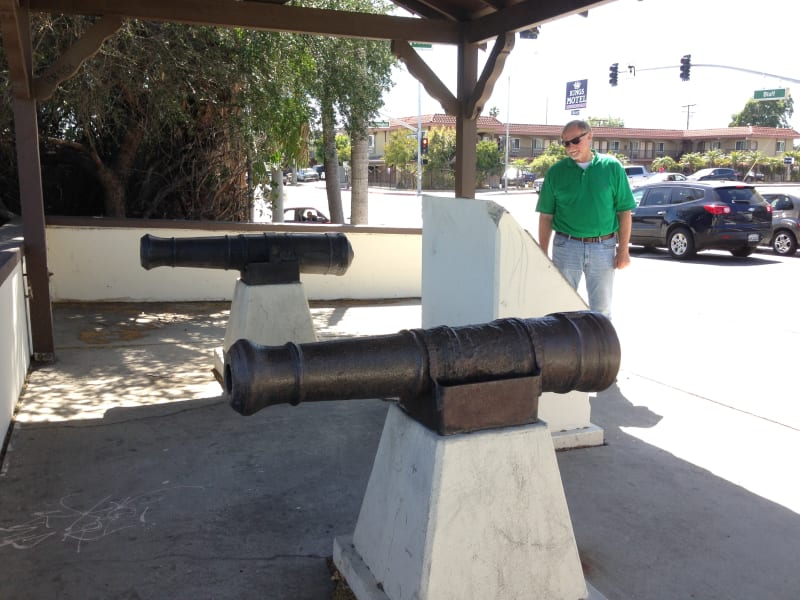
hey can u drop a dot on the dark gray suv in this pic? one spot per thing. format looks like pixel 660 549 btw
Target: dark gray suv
pixel 715 174
pixel 688 216
pixel 785 201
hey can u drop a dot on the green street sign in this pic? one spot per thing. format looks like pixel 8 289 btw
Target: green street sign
pixel 778 94
pixel 377 124
pixel 421 45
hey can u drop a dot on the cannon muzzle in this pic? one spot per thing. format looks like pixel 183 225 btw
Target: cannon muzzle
pixel 319 253
pixel 557 353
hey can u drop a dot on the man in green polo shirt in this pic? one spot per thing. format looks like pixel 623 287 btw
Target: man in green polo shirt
pixel 586 201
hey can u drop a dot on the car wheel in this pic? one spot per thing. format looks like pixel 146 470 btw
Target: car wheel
pixel 743 252
pixel 784 243
pixel 681 243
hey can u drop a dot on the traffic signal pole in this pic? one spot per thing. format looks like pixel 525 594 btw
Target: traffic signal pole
pixel 741 70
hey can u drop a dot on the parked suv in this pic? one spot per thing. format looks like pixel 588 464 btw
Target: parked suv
pixel 688 216
pixel 637 174
pixel 517 177
pixel 717 173
pixel 785 201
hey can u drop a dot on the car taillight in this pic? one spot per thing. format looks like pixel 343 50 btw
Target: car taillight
pixel 717 209
pixel 769 208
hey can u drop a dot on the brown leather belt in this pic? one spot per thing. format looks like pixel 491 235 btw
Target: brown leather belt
pixel 588 240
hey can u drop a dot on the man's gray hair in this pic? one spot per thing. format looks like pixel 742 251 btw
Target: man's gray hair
pixel 583 125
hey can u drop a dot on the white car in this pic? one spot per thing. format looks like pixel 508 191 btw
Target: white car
pixel 657 177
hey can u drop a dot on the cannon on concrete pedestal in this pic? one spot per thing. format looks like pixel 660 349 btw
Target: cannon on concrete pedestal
pixel 269 304
pixel 479 515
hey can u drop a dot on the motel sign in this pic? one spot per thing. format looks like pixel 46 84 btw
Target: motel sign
pixel 576 94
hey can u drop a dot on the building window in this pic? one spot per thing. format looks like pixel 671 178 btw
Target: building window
pixel 614 146
pixel 515 144
pixel 659 146
pixel 600 145
pixel 634 149
pixel 371 142
pixel 538 143
pixel 715 146
pixel 780 146
pixel 742 145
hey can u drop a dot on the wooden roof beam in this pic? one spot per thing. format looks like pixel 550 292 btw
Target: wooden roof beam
pixel 68 63
pixel 423 73
pixel 493 68
pixel 266 17
pixel 16 30
pixel 524 15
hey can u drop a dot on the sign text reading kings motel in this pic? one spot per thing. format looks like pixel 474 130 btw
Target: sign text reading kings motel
pixel 576 94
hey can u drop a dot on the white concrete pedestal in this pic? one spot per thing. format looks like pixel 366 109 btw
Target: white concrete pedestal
pixel 478 248
pixel 479 515
pixel 270 314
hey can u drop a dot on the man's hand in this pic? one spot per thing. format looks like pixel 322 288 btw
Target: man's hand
pixel 622 258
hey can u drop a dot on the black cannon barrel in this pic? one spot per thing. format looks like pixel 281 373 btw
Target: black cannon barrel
pixel 566 351
pixel 319 253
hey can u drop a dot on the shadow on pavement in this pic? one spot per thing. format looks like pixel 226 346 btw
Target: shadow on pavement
pixel 186 500
pixel 650 526
pixel 128 477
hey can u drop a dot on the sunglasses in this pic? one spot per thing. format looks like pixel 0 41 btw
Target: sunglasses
pixel 574 141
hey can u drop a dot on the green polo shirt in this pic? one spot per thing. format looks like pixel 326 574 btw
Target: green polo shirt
pixel 585 202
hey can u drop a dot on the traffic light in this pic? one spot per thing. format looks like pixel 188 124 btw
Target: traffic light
pixel 613 73
pixel 686 65
pixel 424 145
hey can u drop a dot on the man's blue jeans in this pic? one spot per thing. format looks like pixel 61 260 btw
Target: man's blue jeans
pixel 596 260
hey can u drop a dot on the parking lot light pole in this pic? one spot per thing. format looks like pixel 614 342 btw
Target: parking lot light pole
pixel 419 138
pixel 508 118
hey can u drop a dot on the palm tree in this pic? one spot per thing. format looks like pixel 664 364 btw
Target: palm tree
pixel 714 158
pixel 738 158
pixel 692 161
pixel 664 163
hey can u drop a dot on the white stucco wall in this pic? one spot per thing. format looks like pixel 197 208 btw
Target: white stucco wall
pixel 14 339
pixel 102 264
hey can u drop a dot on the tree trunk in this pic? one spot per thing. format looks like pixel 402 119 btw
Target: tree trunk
pixel 115 179
pixel 331 163
pixel 276 194
pixel 113 192
pixel 359 196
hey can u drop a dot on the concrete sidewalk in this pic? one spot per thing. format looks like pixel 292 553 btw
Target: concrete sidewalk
pixel 127 476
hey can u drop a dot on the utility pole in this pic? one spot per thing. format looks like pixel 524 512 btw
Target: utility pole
pixel 687 107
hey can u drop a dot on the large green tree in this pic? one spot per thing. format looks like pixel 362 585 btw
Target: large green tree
pixel 767 113
pixel 175 121
pixel 351 78
pixel 401 153
pixel 488 161
pixel 552 154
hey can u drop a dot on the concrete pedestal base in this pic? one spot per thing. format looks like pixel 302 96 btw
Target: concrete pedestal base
pixel 479 515
pixel 267 314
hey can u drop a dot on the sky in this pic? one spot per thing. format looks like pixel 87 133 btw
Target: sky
pixel 648 34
